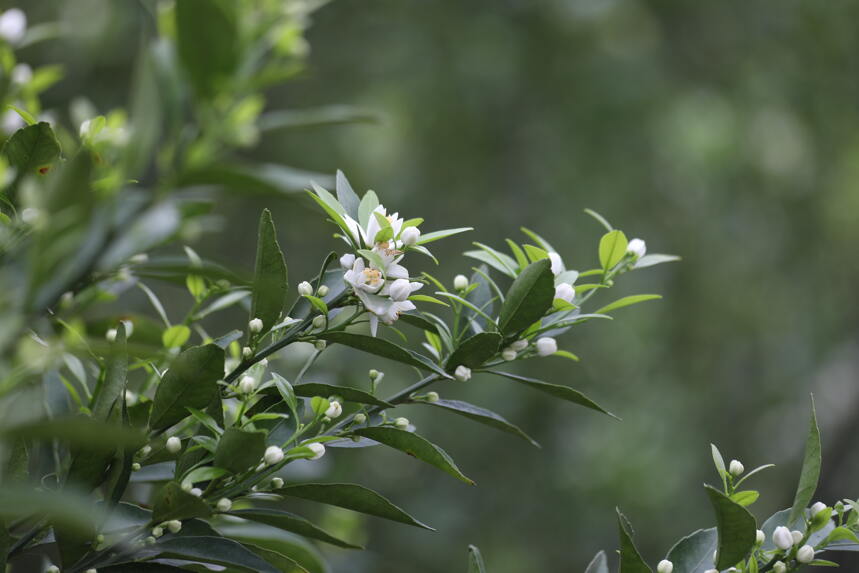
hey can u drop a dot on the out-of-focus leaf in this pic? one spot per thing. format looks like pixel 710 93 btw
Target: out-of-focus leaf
pixel 443 234
pixel 270 280
pixel 563 392
pixel 32 148
pixel 112 385
pixel 223 302
pixel 627 301
pixel 528 298
pixel 475 350
pixel 291 522
pixel 630 559
pixel 475 560
pixel 654 259
pixel 259 178
pixel 239 449
pixel 191 381
pixel 599 564
pixel 171 502
pixel 416 446
pixel 694 553
pixel 145 115
pixel 175 336
pixel 735 526
pixel 316 117
pixel 481 415
pixel 348 393
pixel 810 470
pixel 208 42
pixel 77 431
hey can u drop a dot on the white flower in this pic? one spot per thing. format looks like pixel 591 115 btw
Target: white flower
pixel 460 282
pixel 346 261
pixel 363 278
pixel 760 537
pixel 305 288
pixel 401 289
pixel 519 345
pixel 546 346
pixel 174 525
pixel 462 373
pixel 317 449
pixel 196 492
pixel 11 121
pixel 30 215
pixel 736 468
pixel 805 554
pixel 565 292
pixel 779 567
pixel 665 566
pixel 373 226
pixel 782 538
pixel 401 423
pixel 224 504
pixel 432 396
pixel 410 236
pixel 322 291
pixel 173 445
pixel 383 309
pixel 557 265
pixel 273 455
pixel 110 335
pixel 817 508
pixel 247 385
pixel 263 363
pixel 334 410
pixel 276 483
pixel 13 25
pixel 637 247
pixel 509 354
pixel 91 570
pixel 796 536
pixel 22 74
pixel 157 531
pixel 255 325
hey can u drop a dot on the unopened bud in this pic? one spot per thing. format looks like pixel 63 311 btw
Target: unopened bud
pixel 135 467
pixel 736 468
pixel 463 373
pixel 318 321
pixel 273 455
pixel 173 444
pixel 460 282
pixel 375 375
pixel 196 492
pixel 52 569
pixel 805 554
pixel 255 325
pixel 110 335
pixel 796 536
pixel 519 345
pixel 317 449
pixel 346 261
pixel 665 566
pixel 174 525
pixel 817 508
pixel 432 396
pixel 410 236
pixel 565 292
pixel 782 538
pixel 247 384
pixel 320 345
pixel 546 346
pixel 360 418
pixel 149 540
pixel 157 531
pixel 247 352
pixel 145 451
pixel 401 423
pixel 276 483
pixel 508 354
pixel 760 537
pixel 224 504
pixel 305 288
pixel 779 567
pixel 322 291
pixel 637 247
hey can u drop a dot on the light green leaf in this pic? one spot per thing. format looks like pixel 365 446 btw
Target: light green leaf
pixel 694 553
pixel 600 219
pixel 368 204
pixel 346 196
pixel 735 528
pixel 112 385
pixel 481 415
pixel 627 301
pixel 436 235
pixel 270 278
pixel 810 470
pixel 612 249
pixel 528 298
pixel 654 259
pixel 286 392
pixel 32 148
pixel 175 336
pixel 599 564
pixel 191 381
pixel 239 450
pixel 745 498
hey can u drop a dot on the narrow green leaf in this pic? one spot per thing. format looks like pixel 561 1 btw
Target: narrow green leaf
pixel 481 415
pixel 528 298
pixel 630 559
pixel 654 259
pixel 346 196
pixel 381 347
pixel 563 392
pixel 368 204
pixel 436 235
pixel 612 249
pixel 286 392
pixel 173 503
pixel 112 385
pixel 475 560
pixel 348 393
pixel 810 470
pixel 32 148
pixel 291 522
pixel 474 351
pixel 599 564
pixel 600 219
pixel 270 278
pixel 209 549
pixel 414 445
pixel 77 431
pixel 735 528
pixel 208 43
pixel 191 381
pixel 518 254
pixel 239 450
pixel 627 301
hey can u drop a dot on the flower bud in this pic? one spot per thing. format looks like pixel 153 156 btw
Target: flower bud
pixel 463 373
pixel 318 321
pixel 276 483
pixel 410 236
pixel 665 566
pixel 637 247
pixel 460 282
pixel 13 25
pixel 110 335
pixel 263 362
pixel 52 569
pixel 519 345
pixel 346 261
pixel 805 554
pixel 779 567
pixel 224 504
pixel 135 467
pixel 334 410
pixel 817 508
pixel 565 292
pixel 546 346
pixel 174 525
pixel 305 288
pixel 145 451
pixel 157 532
pixel 360 418
pixel 148 541
pixel 509 354
pixel 322 291
pixel 247 385
pixel 375 375
pixel 782 538
pixel 760 537
pixel 186 486
pixel 400 290
pixel 173 445
pixel 196 492
pixel 317 449
pixel 432 396
pixel 91 570
pixel 273 455
pixel 401 423
pixel 255 325
pixel 247 352
pixel 796 536
pixel 711 571
pixel 320 345
pixel 557 264
pixel 736 468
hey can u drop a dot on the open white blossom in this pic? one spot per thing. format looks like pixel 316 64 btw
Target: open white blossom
pixel 364 278
pixel 334 410
pixel 402 289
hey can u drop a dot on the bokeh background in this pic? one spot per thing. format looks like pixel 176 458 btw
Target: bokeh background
pixel 725 132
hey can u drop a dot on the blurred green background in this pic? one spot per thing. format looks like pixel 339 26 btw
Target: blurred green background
pixel 725 132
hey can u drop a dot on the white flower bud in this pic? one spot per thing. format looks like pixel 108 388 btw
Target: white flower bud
pixel 135 467
pixel 13 25
pixel 130 397
pixel 187 486
pixel 30 215
pixel 21 74
pixel 145 451
pixel 148 541
pixel 432 396
pixel 305 288
pixel 782 538
pixel 557 264
pixel 796 536
pixel 346 261
pixel 318 321
pixel 224 504
pixel 817 508
pixel 565 292
pixel 320 345
pixel 546 346
pixel 711 571
pixel 322 291
pixel 334 410
pixel 805 554
pixel 110 335
pixel 247 352
pixel 52 569
pixel 255 325
pixel 779 567
pixel 276 483
pixel 247 385
pixel 196 492
pixel 157 531
pixel 410 236
pixel 760 537
pixel 637 247
pixel 519 345
pixel 460 282
pixel 317 449
pixel 173 445
pixel 273 455
pixel 400 290
pixel 401 423
pixel 736 468
pixel 463 373
pixel 263 362
pixel 91 570
pixel 509 354
pixel 360 418
pixel 375 375
pixel 665 566
pixel 174 525
pixel 139 258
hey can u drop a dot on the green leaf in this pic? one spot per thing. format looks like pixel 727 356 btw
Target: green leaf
pixel 171 502
pixel 528 298
pixel 612 249
pixel 239 450
pixel 562 392
pixel 175 336
pixel 735 526
pixel 203 474
pixel 368 204
pixel 627 301
pixel 288 544
pixel 694 553
pixel 77 431
pixel 600 219
pixel 209 549
pixel 283 563
pixel 436 235
pixel 291 522
pixel 381 347
pixel 351 496
pixel 599 564
pixel 630 559
pixel 270 278
pixel 481 415
pixel 32 148
pixel 346 196
pixel 654 259
pixel 346 392
pixel 745 498
pixel 414 445
pixel 535 253
pixel 718 460
pixel 475 560
pixel 208 42
pixel 286 392
pixel 191 381
pixel 475 350
pixel 112 385
pixel 810 470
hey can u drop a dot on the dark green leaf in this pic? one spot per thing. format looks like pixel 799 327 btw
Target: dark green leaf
pixel 475 560
pixel 282 562
pixel 528 298
pixel 171 502
pixel 810 470
pixel 351 496
pixel 210 549
pixel 191 382
pixel 239 449
pixel 32 148
pixel 599 564
pixel 474 351
pixel 292 546
pixel 694 553
pixel 348 393
pixel 208 42
pixel 414 445
pixel 630 559
pixel 291 522
pixel 482 416
pixel 563 392
pixel 270 280
pixel 381 347
pixel 78 431
pixel 112 385
pixel 735 526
